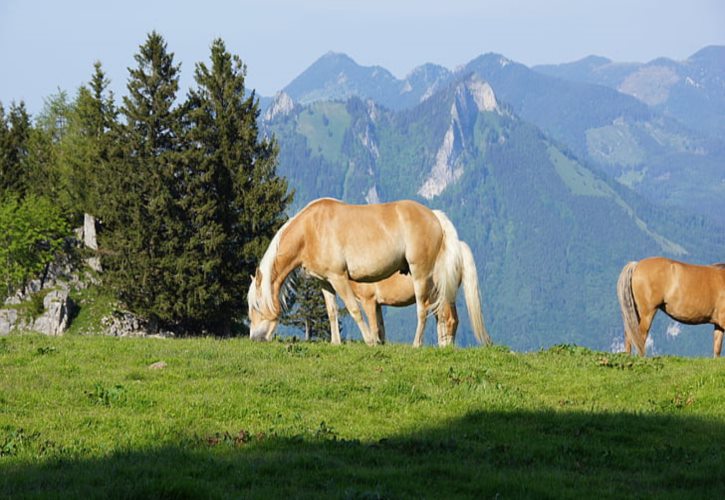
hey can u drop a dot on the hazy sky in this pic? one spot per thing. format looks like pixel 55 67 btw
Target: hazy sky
pixel 46 45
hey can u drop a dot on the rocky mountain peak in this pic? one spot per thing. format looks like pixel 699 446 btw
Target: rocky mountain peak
pixel 482 94
pixel 282 105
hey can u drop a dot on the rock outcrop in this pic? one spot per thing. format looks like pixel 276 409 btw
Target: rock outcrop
pixel 58 309
pixel 58 277
pixel 281 105
pixel 126 324
pixel 57 315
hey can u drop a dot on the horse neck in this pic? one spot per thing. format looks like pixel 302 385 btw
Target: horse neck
pixel 286 260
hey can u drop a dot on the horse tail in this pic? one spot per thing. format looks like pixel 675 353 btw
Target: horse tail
pixel 472 296
pixel 447 270
pixel 628 306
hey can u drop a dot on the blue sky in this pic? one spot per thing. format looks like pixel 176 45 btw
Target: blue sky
pixel 46 45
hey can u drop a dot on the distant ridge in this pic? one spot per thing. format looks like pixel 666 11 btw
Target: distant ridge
pixel 656 127
pixel 337 76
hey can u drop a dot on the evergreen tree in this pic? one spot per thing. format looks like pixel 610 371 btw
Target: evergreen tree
pixel 86 149
pixel 140 210
pixel 43 171
pixel 233 200
pixel 70 147
pixel 307 310
pixel 15 129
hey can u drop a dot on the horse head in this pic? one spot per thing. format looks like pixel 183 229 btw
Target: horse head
pixel 262 321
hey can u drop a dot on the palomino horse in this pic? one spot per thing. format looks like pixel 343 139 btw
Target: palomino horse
pixel 336 243
pixel 397 291
pixel 687 293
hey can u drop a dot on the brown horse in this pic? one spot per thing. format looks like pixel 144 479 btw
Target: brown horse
pixel 397 291
pixel 687 293
pixel 338 243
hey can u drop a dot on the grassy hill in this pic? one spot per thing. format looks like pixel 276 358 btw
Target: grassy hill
pixel 89 417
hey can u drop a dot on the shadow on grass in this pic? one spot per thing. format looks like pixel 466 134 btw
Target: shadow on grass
pixel 484 454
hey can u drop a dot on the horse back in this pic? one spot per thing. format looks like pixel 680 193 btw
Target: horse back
pixel 370 242
pixel 688 292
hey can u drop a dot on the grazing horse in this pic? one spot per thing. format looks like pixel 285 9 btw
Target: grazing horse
pixel 687 293
pixel 397 291
pixel 338 243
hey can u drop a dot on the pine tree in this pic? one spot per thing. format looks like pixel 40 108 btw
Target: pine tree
pixel 233 200
pixel 193 197
pixel 71 146
pixel 15 130
pixel 87 149
pixel 307 309
pixel 140 209
pixel 43 166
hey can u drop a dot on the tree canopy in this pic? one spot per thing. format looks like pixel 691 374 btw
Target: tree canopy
pixel 186 189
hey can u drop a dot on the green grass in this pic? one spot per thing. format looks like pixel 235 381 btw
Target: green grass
pixel 86 417
pixel 94 303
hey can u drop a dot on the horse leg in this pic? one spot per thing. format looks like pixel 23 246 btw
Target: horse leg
pixel 422 290
pixel 645 322
pixel 717 341
pixel 452 322
pixel 343 289
pixel 331 306
pixel 447 324
pixel 381 323
pixel 371 311
pixel 441 329
pixel 627 345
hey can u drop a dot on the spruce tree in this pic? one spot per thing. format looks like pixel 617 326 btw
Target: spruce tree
pixel 140 209
pixel 88 148
pixel 44 165
pixel 15 130
pixel 233 200
pixel 307 310
pixel 77 154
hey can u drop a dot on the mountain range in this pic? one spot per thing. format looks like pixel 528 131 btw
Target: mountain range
pixel 507 153
pixel 691 91
pixel 672 151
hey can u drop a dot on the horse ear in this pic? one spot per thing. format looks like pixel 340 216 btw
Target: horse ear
pixel 258 277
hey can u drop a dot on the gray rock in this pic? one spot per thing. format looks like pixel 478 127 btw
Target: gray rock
pixel 8 320
pixel 54 320
pixel 94 263
pixel 126 324
pixel 56 317
pixel 89 232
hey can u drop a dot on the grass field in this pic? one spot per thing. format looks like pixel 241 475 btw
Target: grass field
pixel 90 417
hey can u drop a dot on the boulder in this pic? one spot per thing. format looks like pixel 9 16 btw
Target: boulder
pixel 8 320
pixel 56 317
pixel 89 232
pixel 126 324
